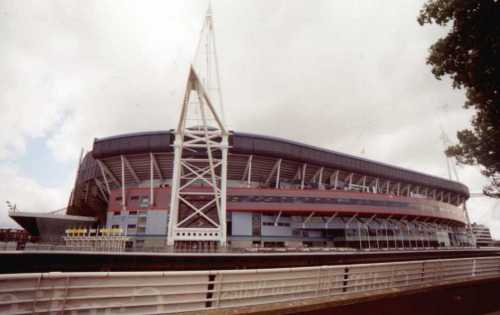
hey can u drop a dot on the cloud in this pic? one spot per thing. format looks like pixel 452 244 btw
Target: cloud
pixel 27 194
pixel 97 64
pixel 345 75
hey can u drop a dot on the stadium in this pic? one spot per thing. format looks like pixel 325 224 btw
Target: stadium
pixel 202 186
pixel 280 193
pixel 201 219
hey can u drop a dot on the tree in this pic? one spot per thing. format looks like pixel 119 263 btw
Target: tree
pixel 470 55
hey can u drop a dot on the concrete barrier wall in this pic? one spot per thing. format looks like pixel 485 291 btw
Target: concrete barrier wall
pixel 171 292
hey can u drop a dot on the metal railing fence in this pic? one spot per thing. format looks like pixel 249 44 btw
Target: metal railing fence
pixel 171 292
pixel 39 247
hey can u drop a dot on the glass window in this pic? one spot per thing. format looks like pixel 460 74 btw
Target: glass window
pixel 256 230
pixel 144 203
pixel 141 229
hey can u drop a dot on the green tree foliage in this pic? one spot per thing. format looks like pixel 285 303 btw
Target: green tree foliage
pixel 470 56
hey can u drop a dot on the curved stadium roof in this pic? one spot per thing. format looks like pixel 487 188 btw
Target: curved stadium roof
pixel 247 143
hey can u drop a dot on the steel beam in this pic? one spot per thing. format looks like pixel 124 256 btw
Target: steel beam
pixel 156 166
pixel 334 215
pixel 151 180
pixel 103 174
pixel 247 173
pixel 105 169
pixel 195 134
pixel 124 196
pixel 131 169
pixel 303 175
pixel 276 221
pixel 275 170
pixel 335 178
pixel 307 219
pixel 101 190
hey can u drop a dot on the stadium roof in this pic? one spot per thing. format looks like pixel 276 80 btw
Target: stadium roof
pixel 247 143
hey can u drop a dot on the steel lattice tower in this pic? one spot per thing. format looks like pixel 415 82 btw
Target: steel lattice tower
pixel 198 195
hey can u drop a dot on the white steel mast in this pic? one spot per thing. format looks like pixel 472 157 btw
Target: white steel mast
pixel 198 195
pixel 451 166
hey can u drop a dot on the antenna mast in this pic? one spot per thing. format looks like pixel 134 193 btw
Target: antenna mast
pixel 451 166
pixel 198 196
pixel 450 163
pixel 206 63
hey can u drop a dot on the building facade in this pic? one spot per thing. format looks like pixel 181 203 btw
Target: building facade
pixel 482 235
pixel 279 193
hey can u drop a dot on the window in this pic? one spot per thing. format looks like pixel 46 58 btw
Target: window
pixel 144 203
pixel 279 224
pixel 115 226
pixel 132 212
pixel 274 244
pixel 116 213
pixel 131 226
pixel 119 198
pixel 141 229
pixel 256 224
pixel 134 198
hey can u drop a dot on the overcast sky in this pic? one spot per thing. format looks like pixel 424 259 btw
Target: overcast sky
pixel 344 75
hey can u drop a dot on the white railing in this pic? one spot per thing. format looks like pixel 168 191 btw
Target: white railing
pixel 396 246
pixel 171 292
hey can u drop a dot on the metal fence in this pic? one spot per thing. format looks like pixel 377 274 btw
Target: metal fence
pixel 12 246
pixel 171 292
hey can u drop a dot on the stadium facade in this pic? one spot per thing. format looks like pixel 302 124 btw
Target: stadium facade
pixel 279 193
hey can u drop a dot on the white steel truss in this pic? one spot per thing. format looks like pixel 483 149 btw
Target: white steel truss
pixel 198 196
pixel 198 199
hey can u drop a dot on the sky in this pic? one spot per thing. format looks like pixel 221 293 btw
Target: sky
pixel 344 75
